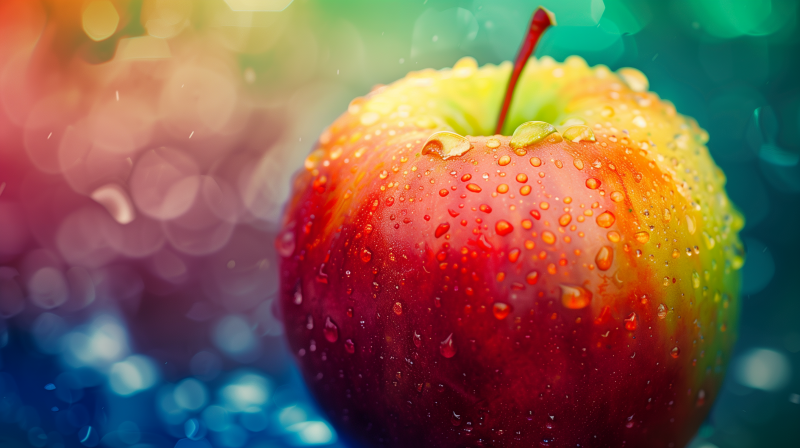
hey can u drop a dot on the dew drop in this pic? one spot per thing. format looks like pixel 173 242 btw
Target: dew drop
pixel 575 297
pixel 349 346
pixel 485 208
pixel 579 133
pixel 530 133
pixel 455 419
pixel 285 244
pixel 492 143
pixel 548 237
pixel 606 219
pixel 642 237
pixel 475 188
pixel 522 178
pixel 617 196
pixel 532 277
pixel 604 258
pixel 447 347
pixel 466 177
pixel 662 311
pixel 675 352
pixel 592 183
pixel 503 227
pixel 695 279
pixel 398 308
pixel 501 310
pixel 417 339
pixel 504 160
pixel 564 220
pixel 535 161
pixel 443 192
pixel 442 229
pixel 366 255
pixel 630 322
pixel 331 331
pixel 446 144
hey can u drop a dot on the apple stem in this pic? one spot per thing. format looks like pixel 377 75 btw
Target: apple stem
pixel 541 20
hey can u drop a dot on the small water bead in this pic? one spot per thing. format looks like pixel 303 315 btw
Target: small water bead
pixel 579 133
pixel 667 215
pixel 532 277
pixel 605 219
pixel 331 331
pixel 613 236
pixel 383 174
pixel 630 322
pixel 544 205
pixel 446 144
pixel 617 196
pixel 475 188
pixel 522 178
pixel 285 244
pixel 417 339
pixel 443 192
pixel 442 229
pixel 503 227
pixel 504 160
pixel 575 297
pixel 366 255
pixel 675 352
pixel 502 188
pixel 676 253
pixel 604 258
pixel 592 183
pixel 558 164
pixel 349 346
pixel 535 161
pixel 536 215
pixel 662 311
pixel 466 177
pixel 492 143
pixel 690 224
pixel 642 237
pixel 525 190
pixel 578 163
pixel 548 237
pixel 501 310
pixel 398 308
pixel 447 347
pixel 530 133
pixel 485 208
pixel 695 279
pixel 564 220
pixel 455 419
pixel 513 255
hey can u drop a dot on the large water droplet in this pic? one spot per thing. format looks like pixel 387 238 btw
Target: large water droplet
pixel 606 219
pixel 366 255
pixel 604 258
pixel 642 237
pixel 662 311
pixel 447 348
pixel 442 229
pixel 575 297
pixel 592 183
pixel 675 352
pixel 331 331
pixel 446 144
pixel 501 310
pixel 531 132
pixel 532 278
pixel 579 133
pixel 503 227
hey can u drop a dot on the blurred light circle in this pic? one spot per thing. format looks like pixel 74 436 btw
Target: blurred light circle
pixel 47 288
pixel 15 232
pixel 190 394
pixel 169 411
pixel 68 387
pixel 313 432
pixel 45 127
pixel 104 341
pixel 99 19
pixel 80 243
pixel 254 420
pixel 81 288
pixel 121 127
pixel 48 330
pixel 37 437
pixel 291 415
pixel 12 301
pixel 166 19
pixel 197 99
pixel 128 432
pixel 233 336
pixel 140 238
pixel 205 365
pixel 232 437
pixel 759 267
pixel 115 199
pixel 164 183
pixel 216 418
pixel 86 167
pixel 245 391
pixel 133 375
pixel 169 266
pixel 763 369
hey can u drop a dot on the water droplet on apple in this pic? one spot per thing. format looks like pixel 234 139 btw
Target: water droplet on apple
pixel 366 255
pixel 604 258
pixel 630 322
pixel 285 243
pixel 617 196
pixel 635 79
pixel 485 208
pixel 349 346
pixel 675 352
pixel 575 297
pixel 442 229
pixel 642 237
pixel 503 227
pixel 501 310
pixel 606 219
pixel 564 220
pixel 579 133
pixel 475 188
pixel 592 183
pixel 455 419
pixel 446 144
pixel 532 277
pixel 447 347
pixel 331 331
pixel 530 133
pixel 443 192
pixel 548 237
pixel 504 160
pixel 398 308
pixel 417 339
pixel 662 311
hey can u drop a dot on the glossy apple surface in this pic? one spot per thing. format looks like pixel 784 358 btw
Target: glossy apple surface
pixel 566 284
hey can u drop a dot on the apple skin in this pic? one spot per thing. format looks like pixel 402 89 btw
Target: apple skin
pixel 408 290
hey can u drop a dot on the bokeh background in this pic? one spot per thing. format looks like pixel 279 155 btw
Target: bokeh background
pixel 146 147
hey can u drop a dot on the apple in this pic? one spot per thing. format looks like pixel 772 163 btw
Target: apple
pixel 560 271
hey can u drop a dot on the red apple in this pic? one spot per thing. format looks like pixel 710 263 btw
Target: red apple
pixel 574 283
